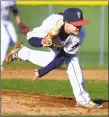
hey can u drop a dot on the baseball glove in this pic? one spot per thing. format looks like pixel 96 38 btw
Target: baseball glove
pixel 23 29
pixel 46 41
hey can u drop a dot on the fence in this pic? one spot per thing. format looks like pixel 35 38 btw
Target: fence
pixel 94 51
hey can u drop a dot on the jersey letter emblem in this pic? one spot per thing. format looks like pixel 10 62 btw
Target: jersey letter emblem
pixel 79 15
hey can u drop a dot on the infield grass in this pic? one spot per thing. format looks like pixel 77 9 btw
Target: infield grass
pixel 96 89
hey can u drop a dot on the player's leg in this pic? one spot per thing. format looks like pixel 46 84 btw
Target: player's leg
pixel 41 58
pixel 12 33
pixel 77 83
pixel 5 39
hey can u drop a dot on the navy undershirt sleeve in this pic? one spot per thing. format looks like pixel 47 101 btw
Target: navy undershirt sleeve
pixel 35 41
pixel 59 59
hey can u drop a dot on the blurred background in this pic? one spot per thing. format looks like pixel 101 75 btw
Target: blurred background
pixel 94 51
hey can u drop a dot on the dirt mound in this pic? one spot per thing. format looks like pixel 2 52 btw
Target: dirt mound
pixel 23 103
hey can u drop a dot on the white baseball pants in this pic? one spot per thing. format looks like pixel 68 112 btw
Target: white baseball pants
pixel 8 36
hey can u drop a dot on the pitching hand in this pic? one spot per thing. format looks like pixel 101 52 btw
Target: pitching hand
pixel 36 74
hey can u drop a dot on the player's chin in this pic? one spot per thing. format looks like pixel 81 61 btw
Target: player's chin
pixel 76 32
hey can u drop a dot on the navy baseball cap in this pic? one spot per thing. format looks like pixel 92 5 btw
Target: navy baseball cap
pixel 75 17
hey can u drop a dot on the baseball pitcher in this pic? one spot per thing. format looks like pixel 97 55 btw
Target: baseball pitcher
pixel 63 34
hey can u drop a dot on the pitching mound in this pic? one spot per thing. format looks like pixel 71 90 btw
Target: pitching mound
pixel 20 103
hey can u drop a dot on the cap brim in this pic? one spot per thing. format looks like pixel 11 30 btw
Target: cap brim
pixel 80 23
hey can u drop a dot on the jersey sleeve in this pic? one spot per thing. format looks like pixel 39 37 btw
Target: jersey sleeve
pixel 59 59
pixel 45 27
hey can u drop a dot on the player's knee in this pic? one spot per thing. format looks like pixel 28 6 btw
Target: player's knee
pixel 35 41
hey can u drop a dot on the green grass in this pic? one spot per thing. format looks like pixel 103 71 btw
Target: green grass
pixel 96 89
pixel 23 115
pixel 26 64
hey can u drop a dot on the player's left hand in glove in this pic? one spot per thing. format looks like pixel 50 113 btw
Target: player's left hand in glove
pixel 23 29
pixel 46 41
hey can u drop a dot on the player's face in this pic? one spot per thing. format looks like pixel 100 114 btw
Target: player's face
pixel 70 29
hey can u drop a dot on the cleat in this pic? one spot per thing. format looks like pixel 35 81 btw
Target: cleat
pixel 91 104
pixel 13 55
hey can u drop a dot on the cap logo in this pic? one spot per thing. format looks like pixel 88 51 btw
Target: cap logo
pixel 79 14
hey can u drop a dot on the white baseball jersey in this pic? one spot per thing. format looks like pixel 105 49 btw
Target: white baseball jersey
pixel 5 9
pixel 67 43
